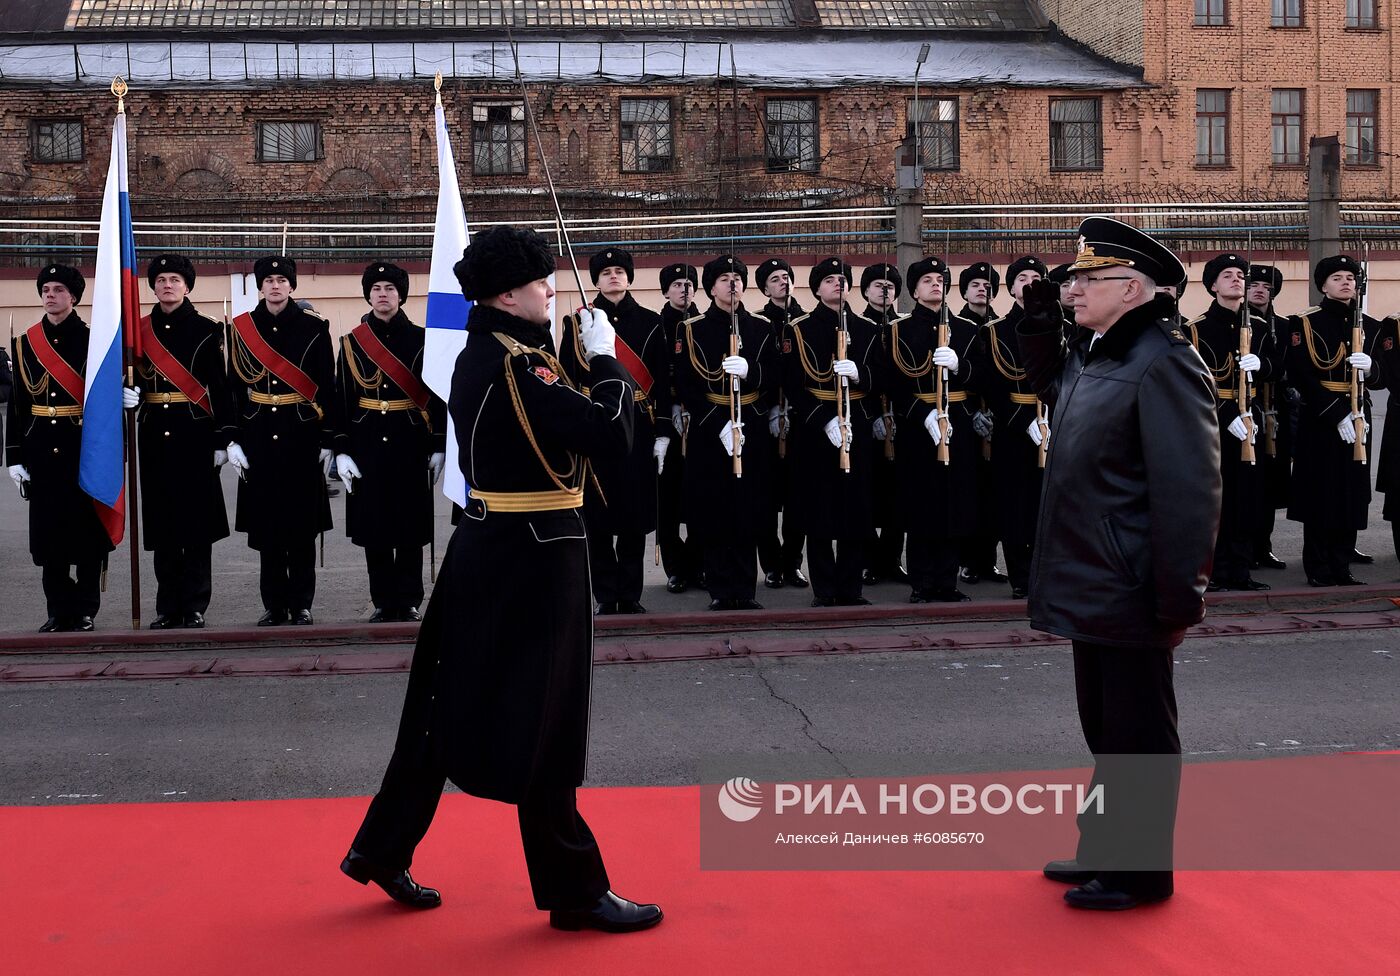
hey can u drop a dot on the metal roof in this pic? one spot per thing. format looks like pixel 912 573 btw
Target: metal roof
pixel 277 15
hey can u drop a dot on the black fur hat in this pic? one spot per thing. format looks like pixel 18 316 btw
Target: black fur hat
pixel 66 275
pixel 385 271
pixel 979 270
pixel 675 272
pixel 723 264
pixel 881 272
pixel 272 264
pixel 171 264
pixel 500 258
pixel 928 265
pixel 611 257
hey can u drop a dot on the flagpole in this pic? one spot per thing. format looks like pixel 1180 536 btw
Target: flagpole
pixel 129 351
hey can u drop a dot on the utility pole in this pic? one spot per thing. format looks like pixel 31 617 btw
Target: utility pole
pixel 908 211
pixel 1324 203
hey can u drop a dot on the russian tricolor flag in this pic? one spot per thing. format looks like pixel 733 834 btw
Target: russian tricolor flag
pixel 447 309
pixel 116 312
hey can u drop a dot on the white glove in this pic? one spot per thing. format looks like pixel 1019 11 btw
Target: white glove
pixel 846 368
pixel 726 438
pixel 1249 363
pixel 238 459
pixel 346 470
pixel 220 458
pixel 659 447
pixel 736 366
pixel 327 461
pixel 931 425
pixel 775 421
pixel 1347 428
pixel 1360 361
pixel 20 475
pixel 678 417
pixel 833 431
pixel 945 358
pixel 131 396
pixel 435 465
pixel 1237 428
pixel 1034 433
pixel 596 333
pixel 983 425
pixel 878 428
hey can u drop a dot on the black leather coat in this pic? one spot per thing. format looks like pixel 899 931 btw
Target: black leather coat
pixel 1131 500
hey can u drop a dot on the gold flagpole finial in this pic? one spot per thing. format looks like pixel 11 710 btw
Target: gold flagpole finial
pixel 437 87
pixel 119 89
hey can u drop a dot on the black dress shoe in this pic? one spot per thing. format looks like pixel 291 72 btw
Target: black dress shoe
pixel 994 575
pixel 745 605
pixel 773 580
pixel 302 618
pixel 823 601
pixel 165 621
pixel 1096 897
pixel 1215 586
pixel 611 914
pixel 1319 581
pixel 721 605
pixel 605 609
pixel 1017 593
pixel 969 577
pixel 1357 556
pixel 796 578
pixel 398 885
pixel 869 578
pixel 379 616
pixel 630 606
pixel 194 620
pixel 1347 580
pixel 1068 872
pixel 1270 561
pixel 273 618
pixel 49 626
pixel 675 584
pixel 1252 586
pixel 950 595
pixel 411 615
pixel 853 601
pixel 77 624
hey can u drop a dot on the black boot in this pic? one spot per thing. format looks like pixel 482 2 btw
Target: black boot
pixel 398 885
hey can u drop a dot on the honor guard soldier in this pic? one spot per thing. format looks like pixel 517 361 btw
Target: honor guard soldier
pixel 1060 276
pixel 1279 403
pixel 183 413
pixel 1123 548
pixel 937 456
pixel 1387 351
pixel 498 692
pixel 978 284
pixel 680 558
pixel 830 359
pixel 280 436
pixel 1331 489
pixel 620 509
pixel 1022 429
pixel 1216 336
pixel 725 364
pixel 880 284
pixel 7 379
pixel 780 559
pixel 391 446
pixel 67 540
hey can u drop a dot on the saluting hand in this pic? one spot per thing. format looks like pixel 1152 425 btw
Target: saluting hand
pixel 1041 302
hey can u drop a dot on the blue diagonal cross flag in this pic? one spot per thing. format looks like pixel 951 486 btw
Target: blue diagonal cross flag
pixel 447 310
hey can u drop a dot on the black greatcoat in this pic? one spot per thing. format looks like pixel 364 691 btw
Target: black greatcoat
pixel 719 507
pixel 884 487
pixel 1016 471
pixel 629 483
pixel 833 504
pixel 392 504
pixel 934 498
pixel 500 682
pixel 283 498
pixel 63 525
pixel 1330 490
pixel 1275 470
pixel 182 501
pixel 1387 349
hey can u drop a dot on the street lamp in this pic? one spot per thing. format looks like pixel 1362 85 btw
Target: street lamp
pixel 919 119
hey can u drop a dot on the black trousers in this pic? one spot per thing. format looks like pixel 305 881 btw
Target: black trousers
pixel 1018 563
pixel 730 573
pixel 565 865
pixel 678 556
pixel 932 562
pixel 395 576
pixel 885 551
pixel 616 564
pixel 1234 542
pixel 1127 709
pixel 1264 530
pixel 67 596
pixel 836 575
pixel 1327 552
pixel 978 551
pixel 780 555
pixel 184 579
pixel 287 575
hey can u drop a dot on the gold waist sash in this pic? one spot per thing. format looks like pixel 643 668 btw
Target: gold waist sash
pixel 72 411
pixel 1336 386
pixel 164 398
pixel 744 398
pixel 954 396
pixel 384 406
pixel 278 399
pixel 528 501
pixel 831 394
pixel 1024 398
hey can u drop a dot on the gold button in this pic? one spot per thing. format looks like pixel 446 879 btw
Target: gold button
pixel 167 433
pixel 274 437
pixel 274 382
pixel 386 440
pixel 55 450
pixel 53 421
pixel 274 409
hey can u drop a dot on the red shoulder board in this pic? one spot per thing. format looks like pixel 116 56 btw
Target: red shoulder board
pixel 545 375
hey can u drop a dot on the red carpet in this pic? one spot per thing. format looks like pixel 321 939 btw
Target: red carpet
pixel 252 889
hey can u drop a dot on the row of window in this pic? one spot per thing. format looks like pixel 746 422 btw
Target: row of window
pixel 1213 127
pixel 1360 14
pixel 646 137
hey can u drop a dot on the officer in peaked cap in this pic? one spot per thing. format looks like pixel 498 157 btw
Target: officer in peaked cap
pixel 1134 461
pixel 44 435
